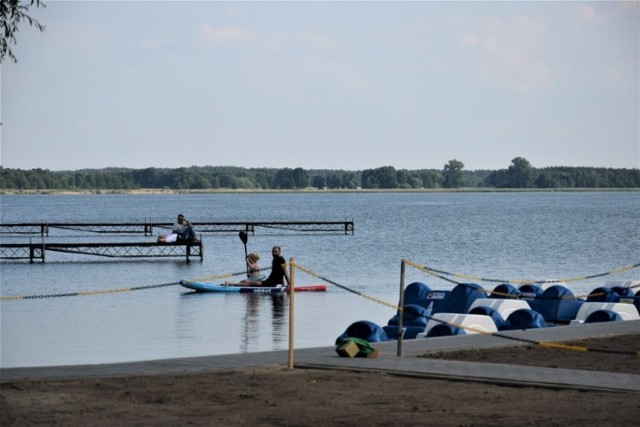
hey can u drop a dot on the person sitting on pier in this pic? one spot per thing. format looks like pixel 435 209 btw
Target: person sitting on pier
pixel 278 275
pixel 184 230
pixel 167 238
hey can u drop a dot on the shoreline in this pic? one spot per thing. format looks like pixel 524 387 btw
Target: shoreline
pixel 412 349
pixel 154 191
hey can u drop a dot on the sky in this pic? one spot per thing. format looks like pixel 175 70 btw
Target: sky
pixel 324 85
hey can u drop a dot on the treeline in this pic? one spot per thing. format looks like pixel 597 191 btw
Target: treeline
pixel 520 174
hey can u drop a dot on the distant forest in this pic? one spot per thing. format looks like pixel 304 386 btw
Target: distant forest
pixel 520 174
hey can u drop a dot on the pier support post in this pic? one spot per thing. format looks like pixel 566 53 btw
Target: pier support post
pixel 148 228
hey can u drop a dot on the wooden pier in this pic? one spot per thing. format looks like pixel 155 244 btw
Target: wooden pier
pixel 37 251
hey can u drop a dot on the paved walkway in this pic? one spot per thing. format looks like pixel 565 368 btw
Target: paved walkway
pixel 388 361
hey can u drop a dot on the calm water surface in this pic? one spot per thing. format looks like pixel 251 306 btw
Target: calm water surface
pixel 508 236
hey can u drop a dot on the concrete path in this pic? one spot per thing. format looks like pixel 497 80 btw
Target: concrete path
pixel 388 361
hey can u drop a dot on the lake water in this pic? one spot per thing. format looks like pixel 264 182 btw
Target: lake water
pixel 509 236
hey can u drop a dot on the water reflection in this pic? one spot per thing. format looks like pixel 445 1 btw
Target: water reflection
pixel 250 321
pixel 254 321
pixel 278 323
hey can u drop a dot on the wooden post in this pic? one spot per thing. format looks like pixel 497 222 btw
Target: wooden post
pixel 401 307
pixel 291 309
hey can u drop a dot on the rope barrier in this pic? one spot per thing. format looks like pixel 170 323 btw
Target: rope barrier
pixel 436 273
pixel 353 291
pixel 441 275
pixel 87 293
pixel 528 281
pixel 117 290
pixel 221 276
pixel 544 344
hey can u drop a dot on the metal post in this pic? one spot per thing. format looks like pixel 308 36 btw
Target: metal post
pixel 291 309
pixel 148 228
pixel 401 307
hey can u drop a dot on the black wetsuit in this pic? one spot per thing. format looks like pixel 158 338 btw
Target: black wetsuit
pixel 277 272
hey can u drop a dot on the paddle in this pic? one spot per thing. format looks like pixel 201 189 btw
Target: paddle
pixel 244 238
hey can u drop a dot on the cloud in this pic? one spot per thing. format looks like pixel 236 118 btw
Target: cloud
pixel 156 42
pixel 622 75
pixel 516 70
pixel 627 8
pixel 490 46
pixel 469 39
pixel 340 71
pixel 222 36
pixel 82 37
pixel 586 13
pixel 313 54
pixel 273 43
pixel 506 52
pixel 231 12
pixel 318 41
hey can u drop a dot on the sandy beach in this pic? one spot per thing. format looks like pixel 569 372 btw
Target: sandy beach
pixel 275 395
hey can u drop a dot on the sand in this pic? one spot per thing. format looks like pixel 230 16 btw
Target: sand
pixel 275 395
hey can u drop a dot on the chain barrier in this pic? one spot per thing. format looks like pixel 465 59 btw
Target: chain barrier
pixel 440 274
pixel 544 344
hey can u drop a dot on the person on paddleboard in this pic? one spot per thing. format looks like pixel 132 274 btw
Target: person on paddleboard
pixel 278 275
pixel 254 269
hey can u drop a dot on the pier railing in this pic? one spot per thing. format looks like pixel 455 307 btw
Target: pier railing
pixel 37 251
pixel 146 228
